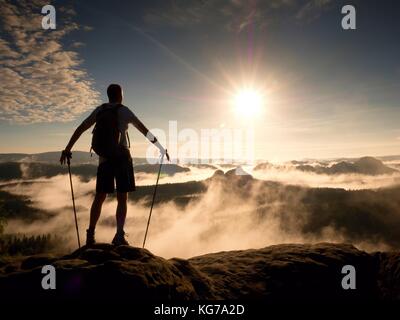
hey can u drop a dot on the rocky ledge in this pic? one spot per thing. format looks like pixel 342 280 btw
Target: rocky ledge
pixel 289 272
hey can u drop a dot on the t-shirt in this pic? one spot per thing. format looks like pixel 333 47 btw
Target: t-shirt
pixel 125 116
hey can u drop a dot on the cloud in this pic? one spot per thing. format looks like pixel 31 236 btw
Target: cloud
pixel 41 80
pixel 78 44
pixel 234 15
pixel 290 175
pixel 195 174
pixel 87 28
pixel 349 174
pixel 312 10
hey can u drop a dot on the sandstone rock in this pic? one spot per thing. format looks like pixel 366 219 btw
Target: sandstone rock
pixel 280 273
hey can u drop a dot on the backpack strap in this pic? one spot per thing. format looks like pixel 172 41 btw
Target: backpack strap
pixel 127 135
pixel 117 106
pixel 129 141
pixel 101 109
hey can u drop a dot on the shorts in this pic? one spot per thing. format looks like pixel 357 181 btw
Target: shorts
pixel 119 170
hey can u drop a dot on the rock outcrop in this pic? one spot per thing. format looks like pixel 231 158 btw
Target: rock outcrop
pixel 280 273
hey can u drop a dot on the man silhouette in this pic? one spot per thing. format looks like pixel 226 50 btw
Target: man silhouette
pixel 119 169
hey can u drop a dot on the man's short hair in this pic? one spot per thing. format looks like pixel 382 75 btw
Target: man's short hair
pixel 114 92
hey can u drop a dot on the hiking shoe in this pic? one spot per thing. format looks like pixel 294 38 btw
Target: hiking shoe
pixel 90 240
pixel 119 239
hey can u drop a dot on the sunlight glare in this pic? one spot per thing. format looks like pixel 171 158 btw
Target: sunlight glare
pixel 248 103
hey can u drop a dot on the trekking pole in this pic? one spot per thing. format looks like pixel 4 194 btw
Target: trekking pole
pixel 73 200
pixel 152 202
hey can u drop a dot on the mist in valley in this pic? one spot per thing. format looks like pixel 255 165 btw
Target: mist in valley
pixel 225 212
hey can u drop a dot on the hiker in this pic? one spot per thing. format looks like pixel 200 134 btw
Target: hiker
pixel 111 142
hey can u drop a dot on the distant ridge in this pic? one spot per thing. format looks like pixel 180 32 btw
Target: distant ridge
pixel 79 157
pixel 365 165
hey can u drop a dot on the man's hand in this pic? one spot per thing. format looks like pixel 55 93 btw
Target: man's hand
pixel 159 146
pixel 65 156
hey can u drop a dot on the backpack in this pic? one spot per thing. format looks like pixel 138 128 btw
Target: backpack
pixel 106 136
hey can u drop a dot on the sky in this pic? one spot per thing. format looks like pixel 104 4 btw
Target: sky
pixel 326 92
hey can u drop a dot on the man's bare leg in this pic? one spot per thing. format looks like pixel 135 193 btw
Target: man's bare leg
pixel 119 238
pixel 95 210
pixel 122 198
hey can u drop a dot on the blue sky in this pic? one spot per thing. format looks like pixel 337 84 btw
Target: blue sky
pixel 328 92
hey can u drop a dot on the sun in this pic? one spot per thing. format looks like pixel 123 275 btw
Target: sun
pixel 248 103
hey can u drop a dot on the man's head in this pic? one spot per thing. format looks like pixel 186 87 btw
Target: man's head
pixel 114 92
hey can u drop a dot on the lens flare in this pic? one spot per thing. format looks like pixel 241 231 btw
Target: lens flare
pixel 248 103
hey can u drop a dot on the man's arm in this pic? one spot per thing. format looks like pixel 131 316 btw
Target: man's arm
pixel 77 133
pixel 85 125
pixel 146 132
